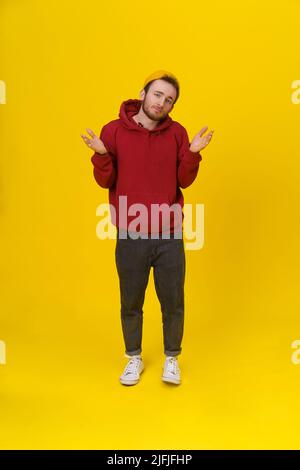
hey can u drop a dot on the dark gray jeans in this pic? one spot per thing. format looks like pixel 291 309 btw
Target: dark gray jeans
pixel 134 259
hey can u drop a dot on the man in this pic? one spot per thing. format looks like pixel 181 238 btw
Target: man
pixel 145 158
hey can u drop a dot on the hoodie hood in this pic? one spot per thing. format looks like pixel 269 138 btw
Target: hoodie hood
pixel 131 107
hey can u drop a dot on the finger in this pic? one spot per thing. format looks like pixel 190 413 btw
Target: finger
pixel 202 130
pixel 210 133
pixel 87 141
pixel 92 134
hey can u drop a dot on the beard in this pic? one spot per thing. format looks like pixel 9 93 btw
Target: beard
pixel 152 115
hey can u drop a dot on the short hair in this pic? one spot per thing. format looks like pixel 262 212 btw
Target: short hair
pixel 168 79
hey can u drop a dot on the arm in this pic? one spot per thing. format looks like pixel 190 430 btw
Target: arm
pixel 188 162
pixel 105 164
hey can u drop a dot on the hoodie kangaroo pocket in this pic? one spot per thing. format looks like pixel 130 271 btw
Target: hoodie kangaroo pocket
pixel 150 210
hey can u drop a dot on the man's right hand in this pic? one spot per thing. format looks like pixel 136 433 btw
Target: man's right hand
pixel 94 143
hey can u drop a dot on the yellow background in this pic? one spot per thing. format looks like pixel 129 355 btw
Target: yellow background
pixel 68 66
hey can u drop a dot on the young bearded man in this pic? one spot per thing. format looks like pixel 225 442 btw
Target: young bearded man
pixel 144 158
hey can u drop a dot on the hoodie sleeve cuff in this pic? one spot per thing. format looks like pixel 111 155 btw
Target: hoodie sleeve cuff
pixel 193 157
pixel 102 155
pixel 97 158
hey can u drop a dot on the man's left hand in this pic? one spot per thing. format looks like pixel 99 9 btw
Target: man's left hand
pixel 199 141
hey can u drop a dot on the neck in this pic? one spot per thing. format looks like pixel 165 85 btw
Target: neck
pixel 147 122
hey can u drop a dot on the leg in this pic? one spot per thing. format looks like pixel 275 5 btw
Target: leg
pixel 133 266
pixel 169 277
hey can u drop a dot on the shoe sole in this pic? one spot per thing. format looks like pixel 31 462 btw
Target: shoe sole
pixel 131 382
pixel 172 381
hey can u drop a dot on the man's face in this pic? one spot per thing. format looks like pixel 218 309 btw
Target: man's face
pixel 159 100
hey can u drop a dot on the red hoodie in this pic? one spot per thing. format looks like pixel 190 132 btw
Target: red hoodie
pixel 147 166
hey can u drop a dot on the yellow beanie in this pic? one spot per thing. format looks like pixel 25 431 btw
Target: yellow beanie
pixel 157 75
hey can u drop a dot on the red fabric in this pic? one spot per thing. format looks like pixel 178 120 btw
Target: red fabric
pixel 147 166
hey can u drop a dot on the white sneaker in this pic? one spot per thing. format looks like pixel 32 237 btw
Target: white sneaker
pixel 171 371
pixel 132 371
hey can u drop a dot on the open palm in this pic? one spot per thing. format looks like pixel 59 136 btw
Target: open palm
pixel 94 143
pixel 199 141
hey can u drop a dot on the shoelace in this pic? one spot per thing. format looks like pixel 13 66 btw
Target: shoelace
pixel 132 366
pixel 172 365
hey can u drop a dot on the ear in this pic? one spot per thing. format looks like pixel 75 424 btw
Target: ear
pixel 142 94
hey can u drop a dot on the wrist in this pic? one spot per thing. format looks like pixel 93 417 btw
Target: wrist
pixel 194 150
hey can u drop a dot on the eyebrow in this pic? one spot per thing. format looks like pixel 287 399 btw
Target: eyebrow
pixel 163 94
